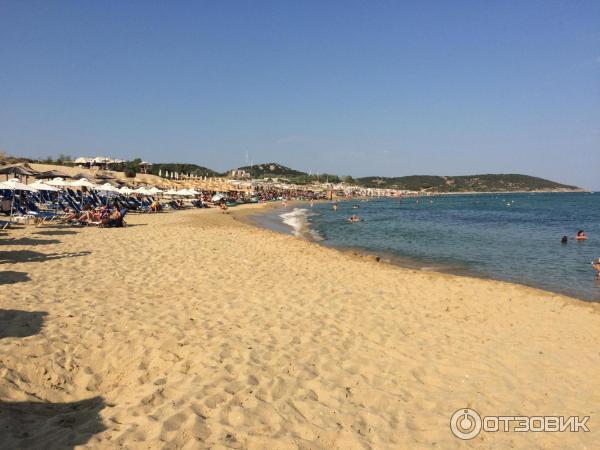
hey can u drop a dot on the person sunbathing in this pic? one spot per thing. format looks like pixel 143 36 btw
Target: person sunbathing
pixel 70 215
pixel 113 218
pixel 91 216
pixel 87 215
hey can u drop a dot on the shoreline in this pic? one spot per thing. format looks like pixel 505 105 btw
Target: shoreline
pixel 244 216
pixel 250 216
pixel 195 329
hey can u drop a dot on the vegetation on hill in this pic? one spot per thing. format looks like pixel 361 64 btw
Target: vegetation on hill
pixel 181 168
pixel 275 170
pixel 270 170
pixel 467 183
pixel 432 183
pixel 428 183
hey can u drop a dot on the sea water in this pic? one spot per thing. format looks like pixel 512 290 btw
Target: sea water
pixel 511 237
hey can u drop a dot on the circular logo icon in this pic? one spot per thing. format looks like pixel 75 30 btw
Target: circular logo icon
pixel 465 423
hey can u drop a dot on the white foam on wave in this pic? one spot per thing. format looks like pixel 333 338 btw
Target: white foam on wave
pixel 297 220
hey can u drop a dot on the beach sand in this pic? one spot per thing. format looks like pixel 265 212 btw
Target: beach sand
pixel 195 330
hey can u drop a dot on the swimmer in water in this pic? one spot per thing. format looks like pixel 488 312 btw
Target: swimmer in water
pixel 581 235
pixel 335 206
pixel 564 240
pixel 354 218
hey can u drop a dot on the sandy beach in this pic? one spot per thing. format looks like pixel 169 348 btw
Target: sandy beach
pixel 196 330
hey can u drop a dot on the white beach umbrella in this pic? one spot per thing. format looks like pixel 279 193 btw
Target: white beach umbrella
pixel 107 187
pixel 61 182
pixel 154 190
pixel 193 191
pixel 171 192
pixel 83 182
pixel 43 187
pixel 15 185
pixel 141 190
pixel 125 190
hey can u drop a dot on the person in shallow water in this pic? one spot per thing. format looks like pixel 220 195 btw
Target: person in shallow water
pixel 354 218
pixel 581 235
pixel 596 266
pixel 564 240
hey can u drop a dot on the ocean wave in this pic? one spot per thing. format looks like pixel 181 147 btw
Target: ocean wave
pixel 297 220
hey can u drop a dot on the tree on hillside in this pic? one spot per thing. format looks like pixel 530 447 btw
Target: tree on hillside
pixel 64 159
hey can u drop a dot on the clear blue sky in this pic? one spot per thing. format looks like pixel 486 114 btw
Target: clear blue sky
pixel 360 88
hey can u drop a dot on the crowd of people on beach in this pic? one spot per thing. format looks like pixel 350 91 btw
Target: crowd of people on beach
pixel 104 215
pixel 86 207
pixel 92 206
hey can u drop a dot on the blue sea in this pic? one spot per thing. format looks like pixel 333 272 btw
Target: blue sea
pixel 511 237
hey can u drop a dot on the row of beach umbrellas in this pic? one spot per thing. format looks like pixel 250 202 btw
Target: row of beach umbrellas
pixel 57 183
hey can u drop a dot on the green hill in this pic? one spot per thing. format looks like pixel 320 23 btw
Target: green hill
pixel 271 170
pixel 193 169
pixel 429 183
pixel 467 183
pixel 275 170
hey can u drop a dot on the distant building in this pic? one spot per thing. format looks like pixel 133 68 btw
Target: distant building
pixel 240 175
pixel 98 161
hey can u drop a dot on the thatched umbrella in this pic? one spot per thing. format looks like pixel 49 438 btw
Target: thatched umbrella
pixel 18 170
pixel 49 174
pixel 104 176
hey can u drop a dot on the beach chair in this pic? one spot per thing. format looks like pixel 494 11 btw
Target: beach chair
pixel 73 204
